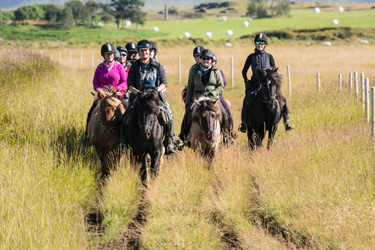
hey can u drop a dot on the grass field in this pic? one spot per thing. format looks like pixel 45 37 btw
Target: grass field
pixel 357 17
pixel 313 189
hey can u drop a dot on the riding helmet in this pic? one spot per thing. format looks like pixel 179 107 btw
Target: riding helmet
pixel 131 47
pixel 154 46
pixel 107 48
pixel 214 59
pixel 122 49
pixel 261 37
pixel 117 55
pixel 207 53
pixel 197 51
pixel 144 44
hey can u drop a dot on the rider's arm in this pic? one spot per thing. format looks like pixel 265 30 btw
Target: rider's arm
pixel 219 86
pixel 190 87
pixel 246 68
pixel 161 87
pixel 272 62
pixel 123 84
pixel 132 79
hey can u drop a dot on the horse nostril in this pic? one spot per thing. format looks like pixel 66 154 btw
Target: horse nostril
pixel 148 134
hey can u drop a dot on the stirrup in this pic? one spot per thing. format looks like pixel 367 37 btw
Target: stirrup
pixel 288 126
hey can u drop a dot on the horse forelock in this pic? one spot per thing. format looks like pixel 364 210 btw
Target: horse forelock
pixel 206 104
pixel 150 102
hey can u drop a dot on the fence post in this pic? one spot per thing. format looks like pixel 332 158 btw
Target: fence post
pixel 367 106
pixel 70 57
pixel 232 71
pixel 318 81
pixel 51 57
pixel 179 69
pixel 60 57
pixel 350 82
pixel 41 52
pixel 340 78
pixel 289 80
pixel 362 82
pixel 356 84
pixel 372 111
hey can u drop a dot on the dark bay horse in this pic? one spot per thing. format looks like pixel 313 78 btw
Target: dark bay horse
pixel 263 107
pixel 205 131
pixel 145 133
pixel 104 127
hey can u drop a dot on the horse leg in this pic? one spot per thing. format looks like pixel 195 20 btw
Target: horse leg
pixel 155 160
pixel 143 170
pixel 251 136
pixel 271 135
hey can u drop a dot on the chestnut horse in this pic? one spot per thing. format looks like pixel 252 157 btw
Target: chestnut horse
pixel 104 127
pixel 205 131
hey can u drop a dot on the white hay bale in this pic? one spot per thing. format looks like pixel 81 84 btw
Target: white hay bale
pixel 317 10
pixel 327 43
pixel 228 45
pixel 224 18
pixel 128 22
pixel 208 34
pixel 245 24
pixel 187 35
pixel 335 21
pixel 341 9
pixel 230 32
pixel 155 29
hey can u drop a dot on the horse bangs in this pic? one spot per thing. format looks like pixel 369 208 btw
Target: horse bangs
pixel 113 101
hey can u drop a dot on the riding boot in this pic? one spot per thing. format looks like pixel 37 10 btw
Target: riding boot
pixel 288 125
pixel 169 140
pixel 85 138
pixel 243 127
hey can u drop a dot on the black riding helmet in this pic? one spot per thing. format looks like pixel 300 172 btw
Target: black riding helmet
pixel 107 48
pixel 144 44
pixel 131 47
pixel 261 37
pixel 214 59
pixel 207 53
pixel 117 55
pixel 197 51
pixel 154 46
pixel 122 49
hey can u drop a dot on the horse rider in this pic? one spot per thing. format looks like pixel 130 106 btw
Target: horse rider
pixel 205 79
pixel 109 73
pixel 147 73
pixel 224 102
pixel 197 54
pixel 153 50
pixel 122 58
pixel 263 60
pixel 132 52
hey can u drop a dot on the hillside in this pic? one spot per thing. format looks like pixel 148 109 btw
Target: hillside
pixel 154 4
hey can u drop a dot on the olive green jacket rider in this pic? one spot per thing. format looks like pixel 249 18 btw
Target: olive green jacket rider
pixel 196 89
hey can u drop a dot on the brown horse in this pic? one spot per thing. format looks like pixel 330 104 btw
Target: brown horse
pixel 205 131
pixel 104 127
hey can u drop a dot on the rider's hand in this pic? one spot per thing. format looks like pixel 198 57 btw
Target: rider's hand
pixel 134 90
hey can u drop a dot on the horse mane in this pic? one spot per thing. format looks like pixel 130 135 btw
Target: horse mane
pixel 203 104
pixel 109 94
pixel 150 100
pixel 272 75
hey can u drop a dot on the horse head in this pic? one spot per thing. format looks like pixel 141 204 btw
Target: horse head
pixel 208 115
pixel 110 106
pixel 270 82
pixel 148 109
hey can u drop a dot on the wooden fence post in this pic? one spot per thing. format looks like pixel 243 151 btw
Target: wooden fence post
pixel 70 57
pixel 372 111
pixel 367 106
pixel 362 82
pixel 340 78
pixel 232 71
pixel 356 84
pixel 289 80
pixel 350 82
pixel 318 81
pixel 179 69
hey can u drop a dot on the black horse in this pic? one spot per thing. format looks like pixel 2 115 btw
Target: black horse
pixel 143 133
pixel 263 105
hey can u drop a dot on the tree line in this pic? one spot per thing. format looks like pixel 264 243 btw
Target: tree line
pixel 263 8
pixel 76 12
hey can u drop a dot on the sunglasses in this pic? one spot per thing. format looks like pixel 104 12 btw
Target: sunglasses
pixel 206 58
pixel 262 43
pixel 123 54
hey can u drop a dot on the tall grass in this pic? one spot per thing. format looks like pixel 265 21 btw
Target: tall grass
pixel 313 189
pixel 47 185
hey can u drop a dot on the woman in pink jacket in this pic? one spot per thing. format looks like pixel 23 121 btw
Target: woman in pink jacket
pixel 109 74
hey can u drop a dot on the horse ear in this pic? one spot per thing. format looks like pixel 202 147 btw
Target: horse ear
pixel 95 95
pixel 101 94
pixel 215 102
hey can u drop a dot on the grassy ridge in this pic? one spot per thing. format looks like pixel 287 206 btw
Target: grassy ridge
pixel 173 30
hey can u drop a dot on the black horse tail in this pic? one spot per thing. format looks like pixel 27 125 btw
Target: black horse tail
pixel 183 94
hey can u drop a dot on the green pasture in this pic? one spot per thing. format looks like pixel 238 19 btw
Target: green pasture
pixel 174 29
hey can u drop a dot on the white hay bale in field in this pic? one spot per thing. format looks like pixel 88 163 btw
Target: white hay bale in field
pixel 228 45
pixel 341 9
pixel 250 19
pixel 187 35
pixel 155 29
pixel 245 24
pixel 327 43
pixel 317 10
pixel 364 41
pixel 127 23
pixel 230 32
pixel 335 21
pixel 208 34
pixel 224 18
